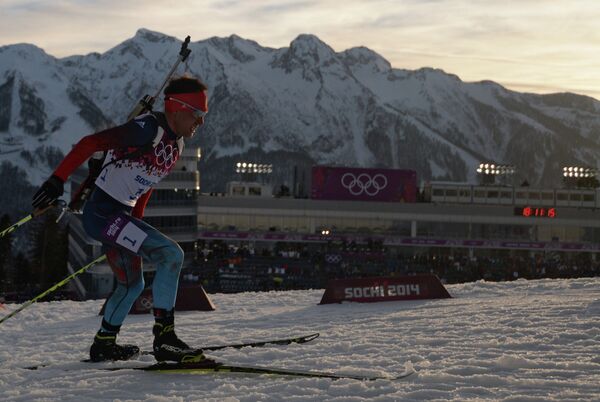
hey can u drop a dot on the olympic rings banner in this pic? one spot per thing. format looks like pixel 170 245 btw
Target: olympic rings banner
pixel 190 297
pixel 363 184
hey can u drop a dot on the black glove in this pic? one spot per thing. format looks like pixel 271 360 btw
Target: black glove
pixel 48 193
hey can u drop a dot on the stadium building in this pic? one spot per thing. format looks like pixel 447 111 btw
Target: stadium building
pixel 350 213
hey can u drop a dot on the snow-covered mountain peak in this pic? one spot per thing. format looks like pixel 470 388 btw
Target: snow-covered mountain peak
pixel 308 54
pixel 303 104
pixel 144 45
pixel 144 34
pixel 429 73
pixel 238 48
pixel 310 47
pixel 22 54
pixel 365 56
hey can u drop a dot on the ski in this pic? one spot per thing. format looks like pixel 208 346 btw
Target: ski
pixel 258 344
pixel 203 368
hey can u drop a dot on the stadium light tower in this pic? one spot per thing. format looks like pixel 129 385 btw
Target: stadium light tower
pixel 488 171
pixel 577 176
pixel 250 171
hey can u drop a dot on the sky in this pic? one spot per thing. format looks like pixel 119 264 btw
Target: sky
pixel 539 46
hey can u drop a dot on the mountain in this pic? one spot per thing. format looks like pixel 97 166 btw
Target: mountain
pixel 295 106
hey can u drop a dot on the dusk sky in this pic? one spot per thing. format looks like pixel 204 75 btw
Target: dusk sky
pixel 536 46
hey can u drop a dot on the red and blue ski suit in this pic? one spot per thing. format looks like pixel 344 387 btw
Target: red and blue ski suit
pixel 113 213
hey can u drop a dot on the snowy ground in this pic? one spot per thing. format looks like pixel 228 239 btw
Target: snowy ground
pixel 525 340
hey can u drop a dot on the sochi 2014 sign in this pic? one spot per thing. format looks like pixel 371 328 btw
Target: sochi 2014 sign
pixel 362 184
pixel 366 290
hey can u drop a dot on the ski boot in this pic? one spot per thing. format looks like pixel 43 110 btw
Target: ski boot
pixel 168 347
pixel 105 347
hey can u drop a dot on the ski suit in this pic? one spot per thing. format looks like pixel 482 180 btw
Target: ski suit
pixel 113 213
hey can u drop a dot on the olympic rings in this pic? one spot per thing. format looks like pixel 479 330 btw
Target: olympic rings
pixel 146 302
pixel 364 183
pixel 165 155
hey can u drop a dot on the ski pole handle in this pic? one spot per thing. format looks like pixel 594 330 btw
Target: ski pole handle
pixel 14 226
pixel 37 212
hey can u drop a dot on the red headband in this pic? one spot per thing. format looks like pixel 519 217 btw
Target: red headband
pixel 197 100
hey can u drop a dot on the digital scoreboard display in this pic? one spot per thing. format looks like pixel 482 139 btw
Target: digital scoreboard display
pixel 536 212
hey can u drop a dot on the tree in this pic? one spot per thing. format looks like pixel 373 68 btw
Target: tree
pixel 49 250
pixel 22 272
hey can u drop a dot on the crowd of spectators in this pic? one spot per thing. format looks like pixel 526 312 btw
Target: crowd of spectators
pixel 222 267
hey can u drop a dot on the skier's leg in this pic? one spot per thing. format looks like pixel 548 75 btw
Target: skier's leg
pixel 167 257
pixel 125 232
pixel 127 268
pixel 98 219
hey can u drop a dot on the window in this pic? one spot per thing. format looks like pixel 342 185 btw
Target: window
pixel 254 191
pixel 171 197
pixel 238 190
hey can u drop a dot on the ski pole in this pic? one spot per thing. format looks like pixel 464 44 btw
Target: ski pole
pixel 23 221
pixel 53 288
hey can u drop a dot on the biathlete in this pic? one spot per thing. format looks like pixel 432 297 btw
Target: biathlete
pixel 140 153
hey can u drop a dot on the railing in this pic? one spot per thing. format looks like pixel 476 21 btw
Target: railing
pixel 182 175
pixel 495 195
pixel 172 203
pixel 178 229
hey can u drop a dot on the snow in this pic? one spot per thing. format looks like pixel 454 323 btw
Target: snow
pixel 523 340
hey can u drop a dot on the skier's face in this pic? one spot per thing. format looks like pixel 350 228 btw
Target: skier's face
pixel 186 123
pixel 186 112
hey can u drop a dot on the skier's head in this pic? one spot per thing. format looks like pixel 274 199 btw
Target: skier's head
pixel 186 104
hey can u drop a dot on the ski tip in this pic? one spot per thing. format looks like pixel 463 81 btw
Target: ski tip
pixel 38 366
pixel 308 338
pixel 403 375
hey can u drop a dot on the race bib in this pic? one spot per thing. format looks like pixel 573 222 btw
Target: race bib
pixel 124 233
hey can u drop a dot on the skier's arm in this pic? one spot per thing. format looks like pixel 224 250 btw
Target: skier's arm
pixel 53 188
pixel 103 141
pixel 140 205
pixel 131 134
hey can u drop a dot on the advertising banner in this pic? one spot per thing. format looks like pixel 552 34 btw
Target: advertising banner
pixel 377 289
pixel 362 184
pixel 189 298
